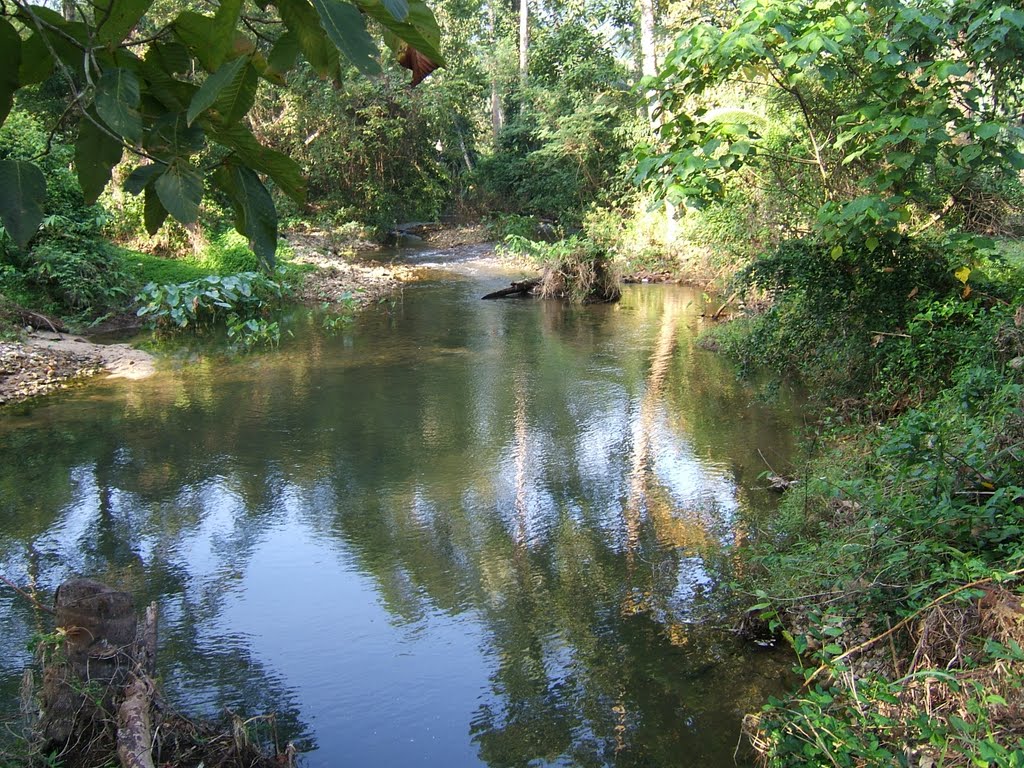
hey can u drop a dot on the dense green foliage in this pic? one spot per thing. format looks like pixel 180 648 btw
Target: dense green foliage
pixel 866 146
pixel 888 522
pixel 175 91
pixel 565 145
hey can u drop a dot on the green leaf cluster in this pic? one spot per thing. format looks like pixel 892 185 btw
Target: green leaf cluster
pixel 176 93
pixel 896 107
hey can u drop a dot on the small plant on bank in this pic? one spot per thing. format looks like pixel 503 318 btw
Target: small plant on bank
pixel 340 314
pixel 241 301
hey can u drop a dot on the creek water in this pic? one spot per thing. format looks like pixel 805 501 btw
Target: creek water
pixel 452 533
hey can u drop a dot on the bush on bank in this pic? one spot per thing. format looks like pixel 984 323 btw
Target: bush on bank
pixel 893 569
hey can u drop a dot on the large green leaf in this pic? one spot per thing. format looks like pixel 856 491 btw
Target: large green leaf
pixel 347 30
pixel 210 38
pixel 154 213
pixel 284 53
pixel 285 172
pixel 162 62
pixel 117 103
pixel 419 29
pixel 36 61
pixel 172 136
pixel 180 189
pixel 301 19
pixel 10 62
pixel 255 214
pixel 140 178
pixel 399 9
pixel 116 18
pixel 67 38
pixel 235 101
pixel 96 154
pixel 229 76
pixel 22 195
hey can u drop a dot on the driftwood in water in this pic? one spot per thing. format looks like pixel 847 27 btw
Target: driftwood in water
pixel 718 312
pixel 518 288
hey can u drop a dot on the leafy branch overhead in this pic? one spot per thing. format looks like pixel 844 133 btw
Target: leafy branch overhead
pixel 176 94
pixel 888 98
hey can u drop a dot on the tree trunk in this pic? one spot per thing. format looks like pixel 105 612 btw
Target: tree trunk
pixel 497 114
pixel 649 68
pixel 524 41
pixel 99 630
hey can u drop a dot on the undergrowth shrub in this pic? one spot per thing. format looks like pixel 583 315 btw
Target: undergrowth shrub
pixel 849 322
pixel 243 302
pixel 81 274
pixel 893 569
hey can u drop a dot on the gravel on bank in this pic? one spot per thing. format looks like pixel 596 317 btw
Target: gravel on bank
pixel 45 361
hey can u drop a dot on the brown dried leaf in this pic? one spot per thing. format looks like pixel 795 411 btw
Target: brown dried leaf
pixel 418 63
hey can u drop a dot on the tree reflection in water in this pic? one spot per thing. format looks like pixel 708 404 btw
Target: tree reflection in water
pixel 553 486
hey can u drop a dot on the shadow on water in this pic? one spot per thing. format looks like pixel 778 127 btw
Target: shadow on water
pixel 456 533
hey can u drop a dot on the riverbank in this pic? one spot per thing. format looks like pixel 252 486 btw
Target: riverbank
pixel 46 361
pixel 893 569
pixel 333 272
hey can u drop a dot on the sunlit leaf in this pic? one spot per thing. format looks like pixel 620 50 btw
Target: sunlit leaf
pixel 302 20
pixel 210 39
pixel 419 29
pixel 228 77
pixel 285 172
pixel 345 27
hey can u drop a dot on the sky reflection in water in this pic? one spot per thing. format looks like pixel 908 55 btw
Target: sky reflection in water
pixel 458 533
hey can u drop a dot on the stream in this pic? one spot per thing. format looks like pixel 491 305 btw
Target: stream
pixel 451 533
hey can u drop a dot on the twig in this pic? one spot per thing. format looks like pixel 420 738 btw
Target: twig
pixel 897 335
pixel 902 623
pixel 718 313
pixel 26 595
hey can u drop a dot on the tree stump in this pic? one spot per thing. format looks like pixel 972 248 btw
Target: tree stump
pixel 97 682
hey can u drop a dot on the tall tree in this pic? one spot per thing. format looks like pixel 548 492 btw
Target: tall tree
pixel 524 41
pixel 648 52
pixel 497 113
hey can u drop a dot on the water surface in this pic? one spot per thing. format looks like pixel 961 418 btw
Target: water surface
pixel 456 533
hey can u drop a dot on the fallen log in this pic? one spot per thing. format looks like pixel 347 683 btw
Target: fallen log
pixel 517 288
